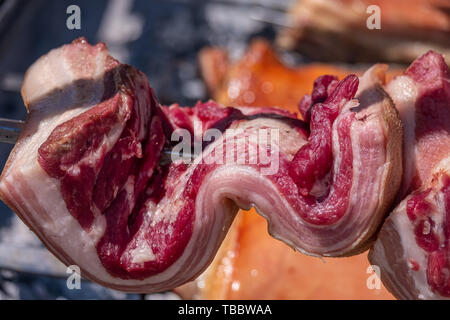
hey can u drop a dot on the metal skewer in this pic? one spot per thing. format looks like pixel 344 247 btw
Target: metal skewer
pixel 10 130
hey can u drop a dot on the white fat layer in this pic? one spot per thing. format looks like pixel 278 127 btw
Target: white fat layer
pixel 143 253
pixel 404 93
pixel 370 78
pixel 369 174
pixel 443 166
pixel 53 217
pixel 53 72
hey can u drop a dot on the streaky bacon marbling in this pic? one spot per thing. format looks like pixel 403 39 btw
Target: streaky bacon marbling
pixel 85 174
pixel 413 246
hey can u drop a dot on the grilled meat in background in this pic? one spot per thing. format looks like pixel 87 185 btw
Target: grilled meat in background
pixel 336 30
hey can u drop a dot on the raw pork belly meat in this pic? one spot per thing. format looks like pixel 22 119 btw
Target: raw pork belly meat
pixel 413 247
pixel 88 177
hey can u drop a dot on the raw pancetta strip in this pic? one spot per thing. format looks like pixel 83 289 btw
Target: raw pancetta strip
pixel 413 246
pixel 86 174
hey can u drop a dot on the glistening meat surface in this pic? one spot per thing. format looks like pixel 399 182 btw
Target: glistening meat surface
pixel 413 246
pixel 87 173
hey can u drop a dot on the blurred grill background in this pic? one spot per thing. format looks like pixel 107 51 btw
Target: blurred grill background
pixel 161 38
